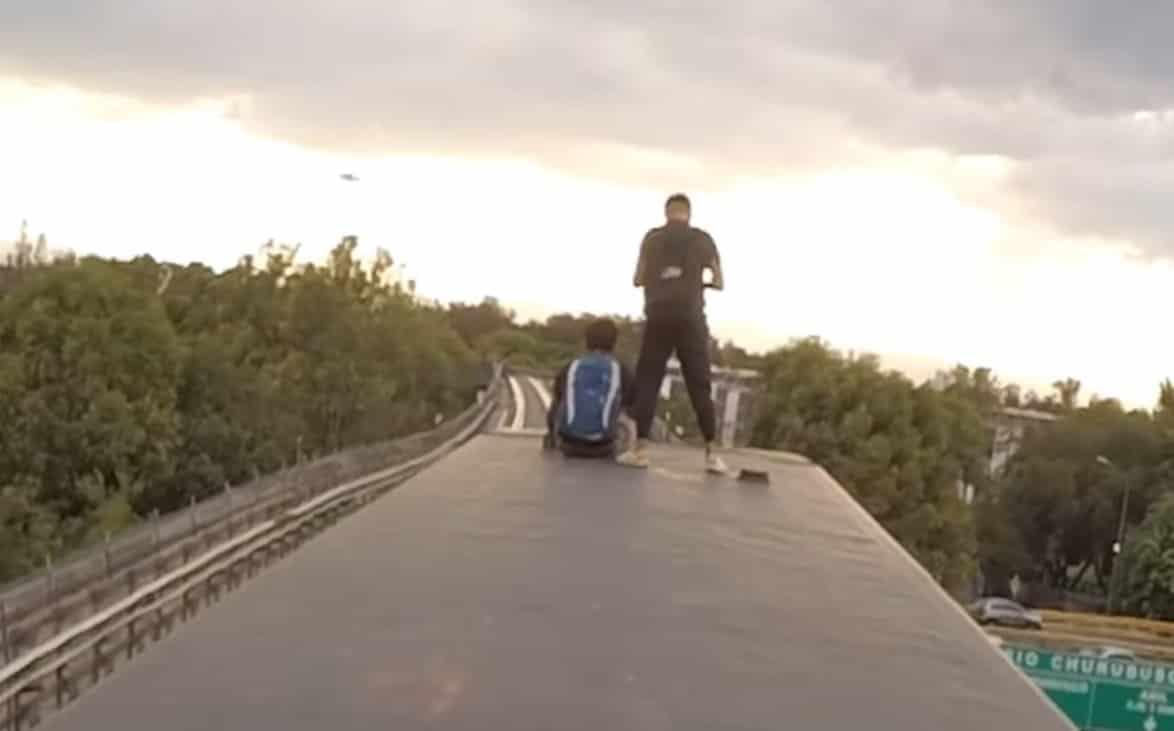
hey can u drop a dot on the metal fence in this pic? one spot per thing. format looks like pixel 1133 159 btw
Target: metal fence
pixel 60 579
pixel 57 670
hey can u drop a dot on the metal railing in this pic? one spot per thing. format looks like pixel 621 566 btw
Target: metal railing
pixel 61 577
pixel 56 668
pixel 64 590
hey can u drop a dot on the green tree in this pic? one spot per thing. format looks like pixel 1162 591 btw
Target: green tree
pixel 901 450
pixel 90 372
pixel 1012 396
pixel 1067 390
pixel 1148 564
pixel 128 387
pixel 1060 501
pixel 475 322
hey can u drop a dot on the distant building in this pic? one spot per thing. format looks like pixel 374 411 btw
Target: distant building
pixel 1008 426
pixel 734 393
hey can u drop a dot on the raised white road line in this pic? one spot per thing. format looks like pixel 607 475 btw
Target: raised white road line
pixel 519 404
pixel 542 391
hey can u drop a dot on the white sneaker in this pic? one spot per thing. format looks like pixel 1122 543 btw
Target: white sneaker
pixel 715 465
pixel 635 457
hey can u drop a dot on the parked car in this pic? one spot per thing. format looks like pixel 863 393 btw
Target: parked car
pixel 1005 613
pixel 1110 653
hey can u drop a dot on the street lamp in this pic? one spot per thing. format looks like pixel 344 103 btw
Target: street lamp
pixel 1117 544
pixel 1124 505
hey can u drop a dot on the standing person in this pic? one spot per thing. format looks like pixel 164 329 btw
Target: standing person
pixel 671 269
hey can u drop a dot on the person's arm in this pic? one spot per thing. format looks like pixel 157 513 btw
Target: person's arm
pixel 714 264
pixel 639 279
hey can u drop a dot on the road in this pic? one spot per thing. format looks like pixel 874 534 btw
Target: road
pixel 537 401
pixel 505 588
pixel 533 396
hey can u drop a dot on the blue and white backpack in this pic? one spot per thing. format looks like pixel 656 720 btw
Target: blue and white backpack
pixel 590 406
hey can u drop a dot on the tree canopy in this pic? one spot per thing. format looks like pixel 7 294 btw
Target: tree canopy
pixel 134 386
pixel 128 387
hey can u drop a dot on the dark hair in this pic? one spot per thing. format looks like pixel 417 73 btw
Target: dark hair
pixel 602 335
pixel 678 198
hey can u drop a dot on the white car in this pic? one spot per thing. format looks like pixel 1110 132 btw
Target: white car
pixel 1111 653
pixel 1006 613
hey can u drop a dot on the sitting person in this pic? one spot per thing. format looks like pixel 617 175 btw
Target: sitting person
pixel 590 393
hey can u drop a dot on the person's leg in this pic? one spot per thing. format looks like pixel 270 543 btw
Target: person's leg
pixel 625 433
pixel 551 440
pixel 655 348
pixel 693 352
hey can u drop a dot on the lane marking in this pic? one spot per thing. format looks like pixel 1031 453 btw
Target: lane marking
pixel 542 391
pixel 519 419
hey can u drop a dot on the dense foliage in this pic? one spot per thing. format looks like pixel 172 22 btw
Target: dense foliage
pixel 1062 499
pixel 1147 579
pixel 902 450
pixel 130 387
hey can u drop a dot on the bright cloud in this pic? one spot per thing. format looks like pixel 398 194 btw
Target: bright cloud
pixel 984 183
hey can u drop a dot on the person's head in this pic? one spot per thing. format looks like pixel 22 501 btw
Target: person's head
pixel 677 208
pixel 602 335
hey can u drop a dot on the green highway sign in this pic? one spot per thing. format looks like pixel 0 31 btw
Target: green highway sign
pixel 1099 694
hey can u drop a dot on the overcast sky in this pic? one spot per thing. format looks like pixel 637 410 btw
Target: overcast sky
pixel 984 182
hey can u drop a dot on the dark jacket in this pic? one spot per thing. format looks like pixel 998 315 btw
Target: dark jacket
pixel 671 269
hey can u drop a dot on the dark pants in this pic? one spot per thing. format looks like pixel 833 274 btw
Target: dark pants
pixel 573 447
pixel 688 337
pixel 587 450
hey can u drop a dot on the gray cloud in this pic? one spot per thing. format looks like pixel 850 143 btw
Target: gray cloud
pixel 761 85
